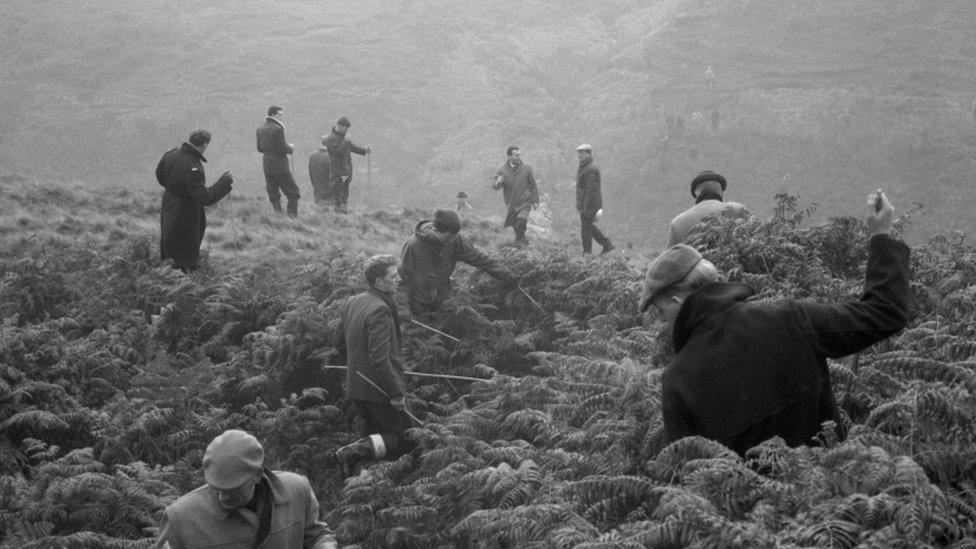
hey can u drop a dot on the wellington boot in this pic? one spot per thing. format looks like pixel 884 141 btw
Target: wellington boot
pixel 351 455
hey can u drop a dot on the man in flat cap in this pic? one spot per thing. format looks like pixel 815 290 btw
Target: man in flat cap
pixel 277 171
pixel 708 189
pixel 341 147
pixel 589 201
pixel 747 371
pixel 244 504
pixel 429 257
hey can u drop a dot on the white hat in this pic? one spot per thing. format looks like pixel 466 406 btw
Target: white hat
pixel 584 147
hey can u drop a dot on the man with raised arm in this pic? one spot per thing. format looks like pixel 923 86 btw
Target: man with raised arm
pixel 747 371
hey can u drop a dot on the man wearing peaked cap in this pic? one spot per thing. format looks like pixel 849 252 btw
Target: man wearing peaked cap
pixel 341 147
pixel 708 189
pixel 244 504
pixel 589 201
pixel 746 371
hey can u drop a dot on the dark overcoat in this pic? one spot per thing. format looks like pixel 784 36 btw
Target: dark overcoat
pixel 368 336
pixel 183 220
pixel 745 372
pixel 589 198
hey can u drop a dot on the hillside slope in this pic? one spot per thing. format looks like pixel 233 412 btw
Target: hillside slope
pixel 813 98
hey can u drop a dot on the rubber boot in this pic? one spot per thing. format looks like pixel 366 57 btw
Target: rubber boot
pixel 276 204
pixel 292 208
pixel 351 455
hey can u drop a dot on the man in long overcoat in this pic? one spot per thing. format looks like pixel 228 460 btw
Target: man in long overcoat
pixel 183 220
pixel 520 191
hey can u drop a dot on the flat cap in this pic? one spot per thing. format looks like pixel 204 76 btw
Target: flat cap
pixel 584 147
pixel 667 269
pixel 232 459
pixel 707 176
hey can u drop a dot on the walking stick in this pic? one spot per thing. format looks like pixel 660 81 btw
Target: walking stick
pixel 435 330
pixel 529 297
pixel 369 178
pixel 417 374
pixel 387 395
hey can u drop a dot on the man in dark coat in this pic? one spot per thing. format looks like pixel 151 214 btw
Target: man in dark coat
pixel 745 372
pixel 340 148
pixel 368 338
pixel 429 258
pixel 520 191
pixel 318 172
pixel 277 172
pixel 183 220
pixel 589 201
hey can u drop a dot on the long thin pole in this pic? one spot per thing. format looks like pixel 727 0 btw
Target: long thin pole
pixel 435 330
pixel 529 297
pixel 387 395
pixel 417 374
pixel 369 178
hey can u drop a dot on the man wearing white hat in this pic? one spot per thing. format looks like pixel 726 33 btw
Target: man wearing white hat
pixel 589 201
pixel 244 504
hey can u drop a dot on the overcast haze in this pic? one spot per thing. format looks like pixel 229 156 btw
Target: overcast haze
pixel 825 100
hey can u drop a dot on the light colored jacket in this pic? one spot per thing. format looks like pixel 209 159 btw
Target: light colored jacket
pixel 197 521
pixel 685 221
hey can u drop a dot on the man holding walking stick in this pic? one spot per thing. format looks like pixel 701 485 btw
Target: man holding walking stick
pixel 368 337
pixel 341 147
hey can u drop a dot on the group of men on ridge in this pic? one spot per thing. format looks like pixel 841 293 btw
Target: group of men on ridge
pixel 743 371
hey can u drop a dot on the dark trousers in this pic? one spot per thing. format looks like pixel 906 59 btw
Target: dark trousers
pixel 340 189
pixel 322 192
pixel 388 422
pixel 590 232
pixel 519 227
pixel 282 183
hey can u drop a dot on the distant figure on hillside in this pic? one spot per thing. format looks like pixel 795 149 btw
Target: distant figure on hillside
pixel 277 172
pixel 709 78
pixel 245 504
pixel 589 201
pixel 708 190
pixel 183 220
pixel 974 111
pixel 519 190
pixel 747 371
pixel 715 119
pixel 341 147
pixel 429 257
pixel 669 124
pixel 367 340
pixel 318 173
pixel 462 202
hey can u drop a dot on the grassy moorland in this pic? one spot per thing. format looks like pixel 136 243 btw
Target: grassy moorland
pixel 116 371
pixel 814 99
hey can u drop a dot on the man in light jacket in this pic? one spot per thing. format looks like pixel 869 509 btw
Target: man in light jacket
pixel 708 189
pixel 519 190
pixel 244 505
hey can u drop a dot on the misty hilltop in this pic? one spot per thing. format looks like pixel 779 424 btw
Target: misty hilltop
pixel 823 100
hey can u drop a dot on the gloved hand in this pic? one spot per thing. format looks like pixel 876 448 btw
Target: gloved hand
pixel 399 403
pixel 225 179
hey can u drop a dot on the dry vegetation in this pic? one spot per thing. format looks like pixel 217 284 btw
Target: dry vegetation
pixel 115 372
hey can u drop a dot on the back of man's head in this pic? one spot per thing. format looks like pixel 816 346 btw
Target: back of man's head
pixel 447 221
pixel 198 138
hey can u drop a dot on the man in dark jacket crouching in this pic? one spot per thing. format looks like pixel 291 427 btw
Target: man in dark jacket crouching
pixel 745 372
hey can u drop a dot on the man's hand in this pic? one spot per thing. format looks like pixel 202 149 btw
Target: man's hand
pixel 369 149
pixel 399 403
pixel 226 179
pixel 880 214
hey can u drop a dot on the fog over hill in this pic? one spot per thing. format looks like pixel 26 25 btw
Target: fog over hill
pixel 824 100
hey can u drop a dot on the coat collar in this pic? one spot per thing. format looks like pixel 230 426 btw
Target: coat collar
pixel 701 306
pixel 586 163
pixel 273 120
pixel 275 488
pixel 195 152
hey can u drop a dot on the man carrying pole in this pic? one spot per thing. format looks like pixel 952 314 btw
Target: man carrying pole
pixel 368 337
